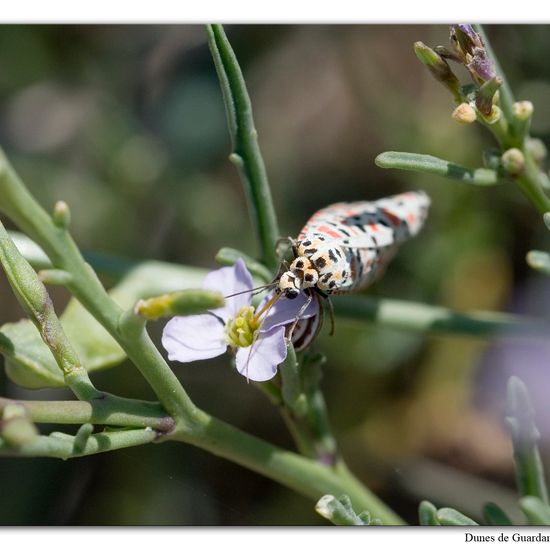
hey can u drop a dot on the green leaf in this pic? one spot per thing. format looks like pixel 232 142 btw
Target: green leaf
pixel 536 511
pixel 433 165
pixel 246 154
pixel 228 256
pixel 427 513
pixel 495 515
pixel 450 516
pixel 29 361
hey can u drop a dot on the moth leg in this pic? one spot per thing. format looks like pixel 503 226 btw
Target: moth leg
pixel 288 241
pixel 330 306
pixel 328 302
pixel 300 313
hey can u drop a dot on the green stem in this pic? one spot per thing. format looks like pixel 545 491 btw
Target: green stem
pixel 303 475
pixel 58 244
pixel 398 314
pixel 429 164
pixel 246 150
pixel 63 447
pixel 111 410
pixel 505 92
pixel 529 181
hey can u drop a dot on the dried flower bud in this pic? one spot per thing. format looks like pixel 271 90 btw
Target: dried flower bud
pixel 464 114
pixel 470 48
pixel 513 161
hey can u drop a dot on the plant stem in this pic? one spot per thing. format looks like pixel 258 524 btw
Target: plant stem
pixel 303 475
pixel 530 184
pixel 111 410
pixel 529 181
pixel 433 165
pixel 505 91
pixel 24 210
pixel 63 447
pixel 415 316
pixel 246 151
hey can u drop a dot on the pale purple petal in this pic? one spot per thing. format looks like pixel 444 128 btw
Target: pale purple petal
pixel 193 338
pixel 230 280
pixel 259 362
pixel 285 311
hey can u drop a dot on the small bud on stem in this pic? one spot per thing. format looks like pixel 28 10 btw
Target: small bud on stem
pixel 61 214
pixel 464 114
pixel 513 161
pixel 439 68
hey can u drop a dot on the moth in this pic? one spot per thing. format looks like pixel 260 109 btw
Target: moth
pixel 344 248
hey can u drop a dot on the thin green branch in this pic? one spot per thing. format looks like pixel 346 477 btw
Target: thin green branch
pixel 419 317
pixel 303 475
pixel 110 410
pixel 24 210
pixel 34 299
pixel 506 96
pixel 530 183
pixel 62 445
pixel 246 150
pixel 432 165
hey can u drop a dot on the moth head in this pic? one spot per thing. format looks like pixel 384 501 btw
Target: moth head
pixel 289 285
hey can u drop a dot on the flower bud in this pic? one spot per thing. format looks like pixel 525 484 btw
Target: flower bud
pixel 61 214
pixel 470 48
pixel 523 110
pixel 464 114
pixel 513 161
pixel 438 67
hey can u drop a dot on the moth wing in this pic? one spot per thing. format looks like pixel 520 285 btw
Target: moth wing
pixel 375 236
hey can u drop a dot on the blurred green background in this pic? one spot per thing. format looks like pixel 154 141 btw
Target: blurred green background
pixel 126 124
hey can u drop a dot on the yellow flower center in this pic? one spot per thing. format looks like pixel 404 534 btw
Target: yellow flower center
pixel 240 331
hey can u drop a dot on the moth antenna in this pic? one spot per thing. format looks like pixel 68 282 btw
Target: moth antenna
pixel 253 291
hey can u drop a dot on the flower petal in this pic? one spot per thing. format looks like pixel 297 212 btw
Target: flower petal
pixel 259 362
pixel 193 338
pixel 285 311
pixel 230 280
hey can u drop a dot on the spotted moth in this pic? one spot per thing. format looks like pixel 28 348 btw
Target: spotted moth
pixel 345 247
